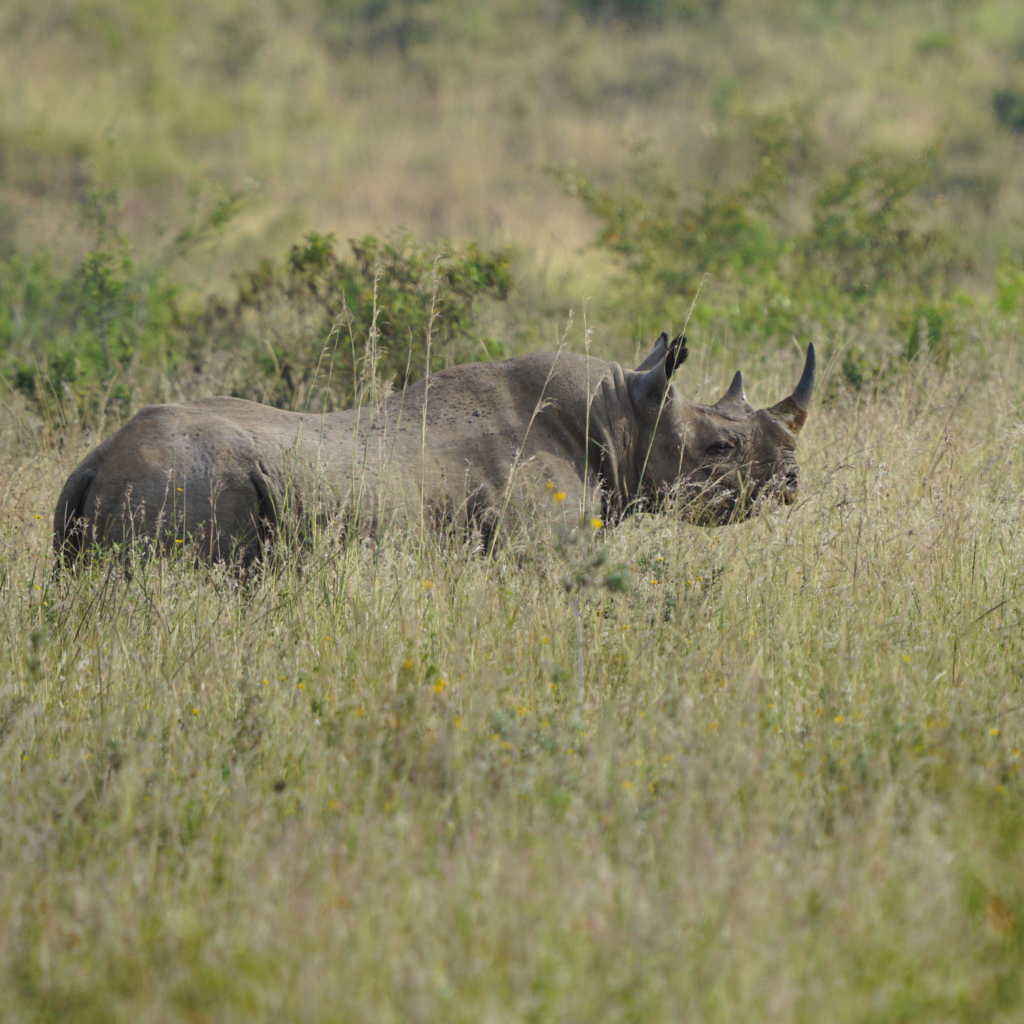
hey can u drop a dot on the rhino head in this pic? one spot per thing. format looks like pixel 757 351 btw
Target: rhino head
pixel 716 463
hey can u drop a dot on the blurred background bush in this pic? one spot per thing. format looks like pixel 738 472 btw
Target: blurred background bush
pixel 251 197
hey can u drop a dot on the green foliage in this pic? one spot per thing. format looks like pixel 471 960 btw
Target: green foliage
pixel 80 341
pixel 372 315
pixel 58 331
pixel 402 25
pixel 670 243
pixel 370 25
pixel 645 12
pixel 930 330
pixel 1008 106
pixel 868 250
pixel 868 237
pixel 108 334
pixel 584 558
pixel 1010 286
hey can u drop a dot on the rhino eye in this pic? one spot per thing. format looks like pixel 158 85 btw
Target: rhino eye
pixel 719 448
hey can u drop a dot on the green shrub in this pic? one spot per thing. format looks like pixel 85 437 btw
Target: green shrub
pixel 1008 106
pixel 322 322
pixel 669 243
pixel 930 330
pixel 372 25
pixel 111 333
pixel 82 340
pixel 676 242
pixel 869 247
pixel 868 237
pixel 1010 286
pixel 640 12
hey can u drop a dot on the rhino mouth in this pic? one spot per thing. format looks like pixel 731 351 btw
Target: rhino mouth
pixel 718 503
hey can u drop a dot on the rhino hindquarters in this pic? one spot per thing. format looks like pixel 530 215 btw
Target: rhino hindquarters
pixel 225 517
pixel 230 518
pixel 265 514
pixel 70 525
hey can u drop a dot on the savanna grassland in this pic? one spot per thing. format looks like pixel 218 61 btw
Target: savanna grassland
pixel 780 778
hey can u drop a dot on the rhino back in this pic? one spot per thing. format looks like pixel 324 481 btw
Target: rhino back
pixel 460 435
pixel 470 440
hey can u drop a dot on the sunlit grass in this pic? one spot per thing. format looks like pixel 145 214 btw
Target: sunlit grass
pixel 365 787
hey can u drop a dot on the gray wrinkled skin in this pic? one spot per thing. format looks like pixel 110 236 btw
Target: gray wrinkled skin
pixel 482 446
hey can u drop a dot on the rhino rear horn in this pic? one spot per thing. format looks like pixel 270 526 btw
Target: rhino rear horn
pixel 735 392
pixel 792 411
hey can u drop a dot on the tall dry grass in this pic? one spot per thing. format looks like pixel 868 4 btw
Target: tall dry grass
pixel 365 790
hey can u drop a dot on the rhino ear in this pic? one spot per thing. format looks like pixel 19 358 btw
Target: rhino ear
pixel 676 354
pixel 657 356
pixel 652 375
pixel 662 350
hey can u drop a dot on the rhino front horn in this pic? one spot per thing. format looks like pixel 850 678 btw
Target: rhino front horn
pixel 793 410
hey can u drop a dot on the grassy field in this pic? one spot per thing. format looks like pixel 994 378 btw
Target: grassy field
pixel 368 787
pixel 367 791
